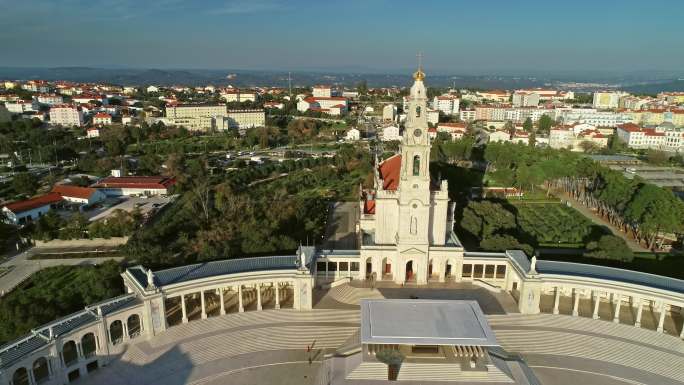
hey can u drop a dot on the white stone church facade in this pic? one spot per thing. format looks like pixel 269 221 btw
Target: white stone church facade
pixel 406 221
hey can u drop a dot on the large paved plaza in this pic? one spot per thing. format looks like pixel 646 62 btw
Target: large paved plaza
pixel 287 346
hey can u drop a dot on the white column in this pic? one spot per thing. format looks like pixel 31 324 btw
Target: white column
pixel 640 309
pixel 258 286
pixel 575 304
pixel 556 299
pixel 204 307
pixel 125 329
pixel 681 334
pixel 616 312
pixel 277 295
pixel 240 307
pixel 597 302
pixel 185 313
pixel 31 377
pixel 661 321
pixel 223 305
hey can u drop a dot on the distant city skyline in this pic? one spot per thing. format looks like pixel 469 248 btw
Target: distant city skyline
pixel 455 36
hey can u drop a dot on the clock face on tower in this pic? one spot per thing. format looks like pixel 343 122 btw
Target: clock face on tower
pixel 417 133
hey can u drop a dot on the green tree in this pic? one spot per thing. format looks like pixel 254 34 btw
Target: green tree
pixel 545 123
pixel 610 247
pixel 25 183
pixel 528 126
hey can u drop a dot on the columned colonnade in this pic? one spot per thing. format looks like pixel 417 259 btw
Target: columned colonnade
pixel 207 303
pixel 615 306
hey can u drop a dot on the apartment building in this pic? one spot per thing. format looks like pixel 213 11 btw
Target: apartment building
pixel 49 99
pixel 607 99
pixel 447 104
pixel 195 117
pixel 525 99
pixel 102 118
pixel 232 95
pixel 243 119
pixel 66 115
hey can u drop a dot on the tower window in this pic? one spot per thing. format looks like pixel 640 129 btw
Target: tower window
pixel 418 112
pixel 416 165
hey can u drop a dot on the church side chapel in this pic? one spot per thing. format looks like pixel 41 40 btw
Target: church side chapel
pixel 407 220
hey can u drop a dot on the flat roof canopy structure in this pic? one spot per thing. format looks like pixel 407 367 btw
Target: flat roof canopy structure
pixel 424 322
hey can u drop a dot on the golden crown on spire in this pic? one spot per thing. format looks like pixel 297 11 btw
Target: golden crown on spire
pixel 419 75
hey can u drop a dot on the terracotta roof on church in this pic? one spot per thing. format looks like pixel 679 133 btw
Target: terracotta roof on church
pixel 369 207
pixel 390 171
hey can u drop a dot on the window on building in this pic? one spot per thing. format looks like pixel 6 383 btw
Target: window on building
pixel 489 271
pixel 344 266
pixel 478 270
pixel 332 266
pixel 418 112
pixel 416 165
pixel 501 271
pixel 354 266
pixel 321 267
pixel 467 271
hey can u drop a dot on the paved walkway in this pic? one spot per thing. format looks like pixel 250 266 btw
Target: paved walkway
pixel 21 267
pixel 562 348
pixel 599 221
pixel 259 347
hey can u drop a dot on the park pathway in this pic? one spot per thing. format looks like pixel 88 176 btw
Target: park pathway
pixel 21 266
pixel 636 247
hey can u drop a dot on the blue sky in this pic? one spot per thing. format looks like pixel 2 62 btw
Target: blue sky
pixel 455 36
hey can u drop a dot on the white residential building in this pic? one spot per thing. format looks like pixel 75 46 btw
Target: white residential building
pixel 196 117
pixel 467 115
pixel 608 99
pixel 432 116
pixel 323 91
pixel 456 130
pixel 93 132
pixel 389 113
pixel 231 95
pixel 637 137
pixel 352 135
pixel 390 133
pixel 66 115
pixel 49 99
pixel 593 117
pixel 244 119
pixel 499 136
pixel 21 106
pixel 525 99
pixel 102 118
pixel 448 104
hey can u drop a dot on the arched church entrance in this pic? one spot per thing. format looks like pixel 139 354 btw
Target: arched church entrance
pixel 409 271
pixel 447 270
pixel 386 269
pixel 369 267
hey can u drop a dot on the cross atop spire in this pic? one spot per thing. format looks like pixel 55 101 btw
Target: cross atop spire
pixel 420 60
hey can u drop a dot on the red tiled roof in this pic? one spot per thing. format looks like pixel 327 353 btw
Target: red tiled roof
pixel 73 191
pixel 147 182
pixel 369 207
pixel 390 171
pixel 630 127
pixel 102 115
pixel 34 203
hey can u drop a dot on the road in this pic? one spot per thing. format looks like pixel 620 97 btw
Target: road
pixel 22 267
